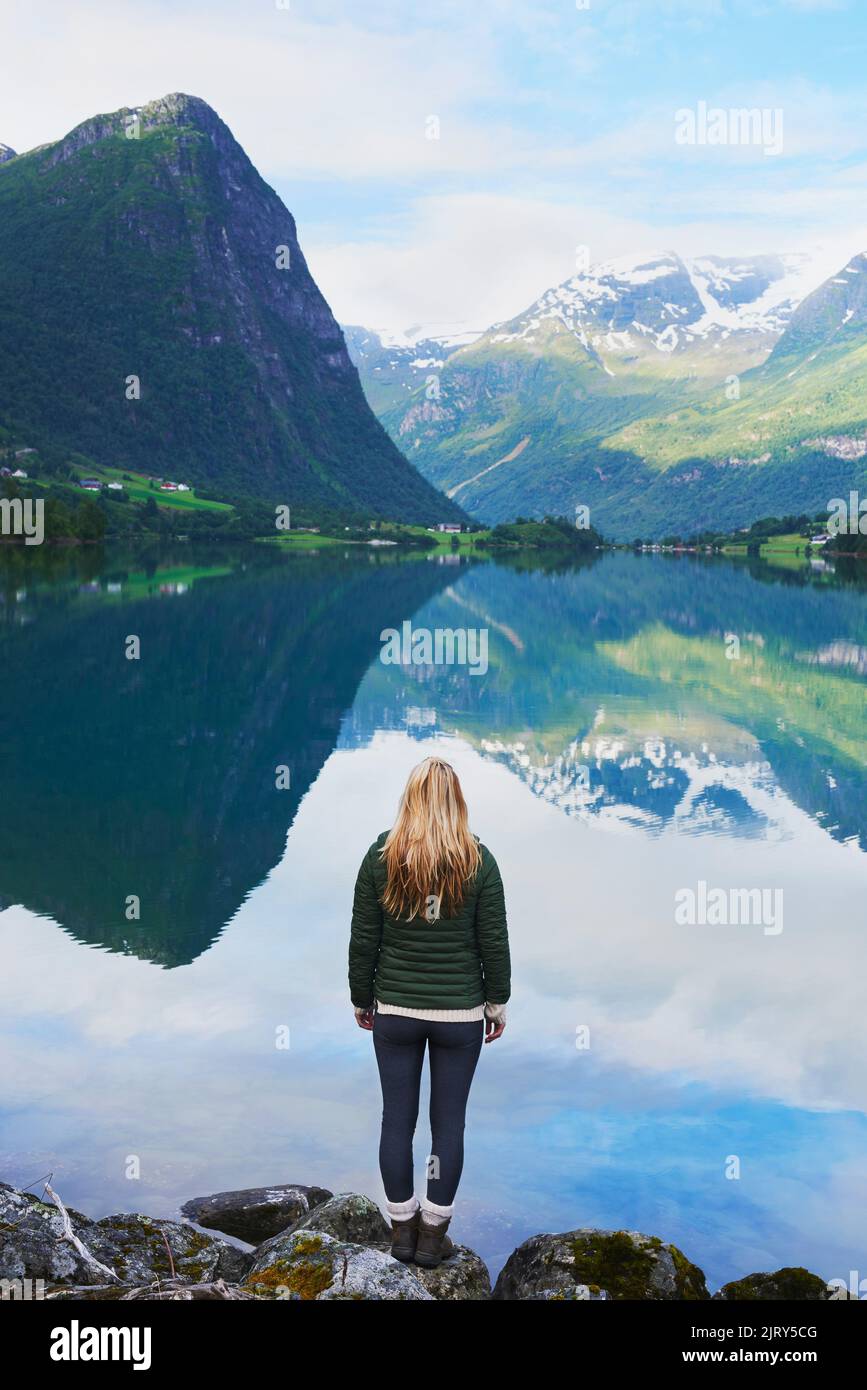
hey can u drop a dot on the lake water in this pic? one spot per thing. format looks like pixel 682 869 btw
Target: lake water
pixel 619 750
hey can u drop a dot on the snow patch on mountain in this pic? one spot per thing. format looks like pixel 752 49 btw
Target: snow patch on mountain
pixel 672 302
pixel 448 335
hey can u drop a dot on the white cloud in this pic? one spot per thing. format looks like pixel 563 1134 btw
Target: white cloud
pixel 457 251
pixel 339 100
pixel 721 1006
pixel 480 259
pixel 531 160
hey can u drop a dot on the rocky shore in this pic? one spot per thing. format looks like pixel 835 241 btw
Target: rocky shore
pixel 306 1243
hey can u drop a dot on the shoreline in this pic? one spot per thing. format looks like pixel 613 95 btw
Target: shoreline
pixel 306 1243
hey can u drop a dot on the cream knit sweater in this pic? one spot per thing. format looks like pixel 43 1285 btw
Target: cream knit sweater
pixel 495 1011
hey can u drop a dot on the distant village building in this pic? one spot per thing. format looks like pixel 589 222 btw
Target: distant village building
pixel 19 473
pixel 451 527
pixel 168 487
pixel 115 487
pixel 183 487
pixel 91 484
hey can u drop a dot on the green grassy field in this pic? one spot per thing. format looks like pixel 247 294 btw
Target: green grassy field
pixel 788 547
pixel 303 540
pixel 443 539
pixel 139 490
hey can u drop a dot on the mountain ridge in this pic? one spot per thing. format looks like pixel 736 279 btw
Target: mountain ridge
pixel 619 385
pixel 158 248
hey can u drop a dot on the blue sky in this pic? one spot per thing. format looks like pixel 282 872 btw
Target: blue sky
pixel 556 128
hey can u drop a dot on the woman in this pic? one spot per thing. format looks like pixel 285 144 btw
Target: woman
pixel 428 965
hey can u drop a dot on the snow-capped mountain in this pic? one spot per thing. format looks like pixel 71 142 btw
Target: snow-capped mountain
pixel 622 307
pixel 393 363
pixel 643 387
pixel 616 309
pixel 447 335
pixel 833 316
pixel 6 152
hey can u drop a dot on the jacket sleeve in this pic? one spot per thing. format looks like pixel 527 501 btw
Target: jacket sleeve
pixel 364 937
pixel 493 936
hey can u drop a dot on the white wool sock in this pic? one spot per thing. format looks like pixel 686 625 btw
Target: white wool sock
pixel 402 1211
pixel 432 1215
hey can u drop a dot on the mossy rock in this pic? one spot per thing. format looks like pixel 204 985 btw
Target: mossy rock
pixel 790 1283
pixel 349 1217
pixel 586 1263
pixel 30 1240
pixel 135 1247
pixel 315 1267
pixel 462 1277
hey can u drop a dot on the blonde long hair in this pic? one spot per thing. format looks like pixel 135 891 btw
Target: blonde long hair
pixel 429 850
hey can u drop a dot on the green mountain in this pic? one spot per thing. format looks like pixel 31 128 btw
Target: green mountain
pixel 667 396
pixel 807 397
pixel 157 314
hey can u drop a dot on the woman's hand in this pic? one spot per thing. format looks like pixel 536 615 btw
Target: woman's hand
pixel 494 1029
pixel 364 1019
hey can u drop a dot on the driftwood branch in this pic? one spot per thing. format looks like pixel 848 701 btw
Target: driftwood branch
pixel 172 1290
pixel 80 1248
pixel 169 1253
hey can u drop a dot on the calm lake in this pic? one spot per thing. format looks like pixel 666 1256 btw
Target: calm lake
pixel 701 1080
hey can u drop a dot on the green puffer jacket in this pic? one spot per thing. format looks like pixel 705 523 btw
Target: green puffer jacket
pixel 454 963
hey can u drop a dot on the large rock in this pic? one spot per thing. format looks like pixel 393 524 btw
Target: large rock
pixel 357 1220
pixel 135 1248
pixel 31 1244
pixel 131 1246
pixel 585 1263
pixel 312 1265
pixel 349 1217
pixel 463 1276
pixel 792 1282
pixel 255 1214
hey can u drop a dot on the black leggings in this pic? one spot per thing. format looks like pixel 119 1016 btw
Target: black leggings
pixel 399 1043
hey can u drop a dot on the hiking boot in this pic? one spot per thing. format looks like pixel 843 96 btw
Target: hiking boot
pixel 433 1244
pixel 404 1235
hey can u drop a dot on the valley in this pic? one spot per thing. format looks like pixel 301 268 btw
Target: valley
pixel 667 395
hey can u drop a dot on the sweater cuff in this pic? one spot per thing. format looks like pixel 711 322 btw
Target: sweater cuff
pixel 365 1010
pixel 496 1011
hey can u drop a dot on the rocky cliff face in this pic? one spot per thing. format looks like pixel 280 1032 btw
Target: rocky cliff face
pixel 157 312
